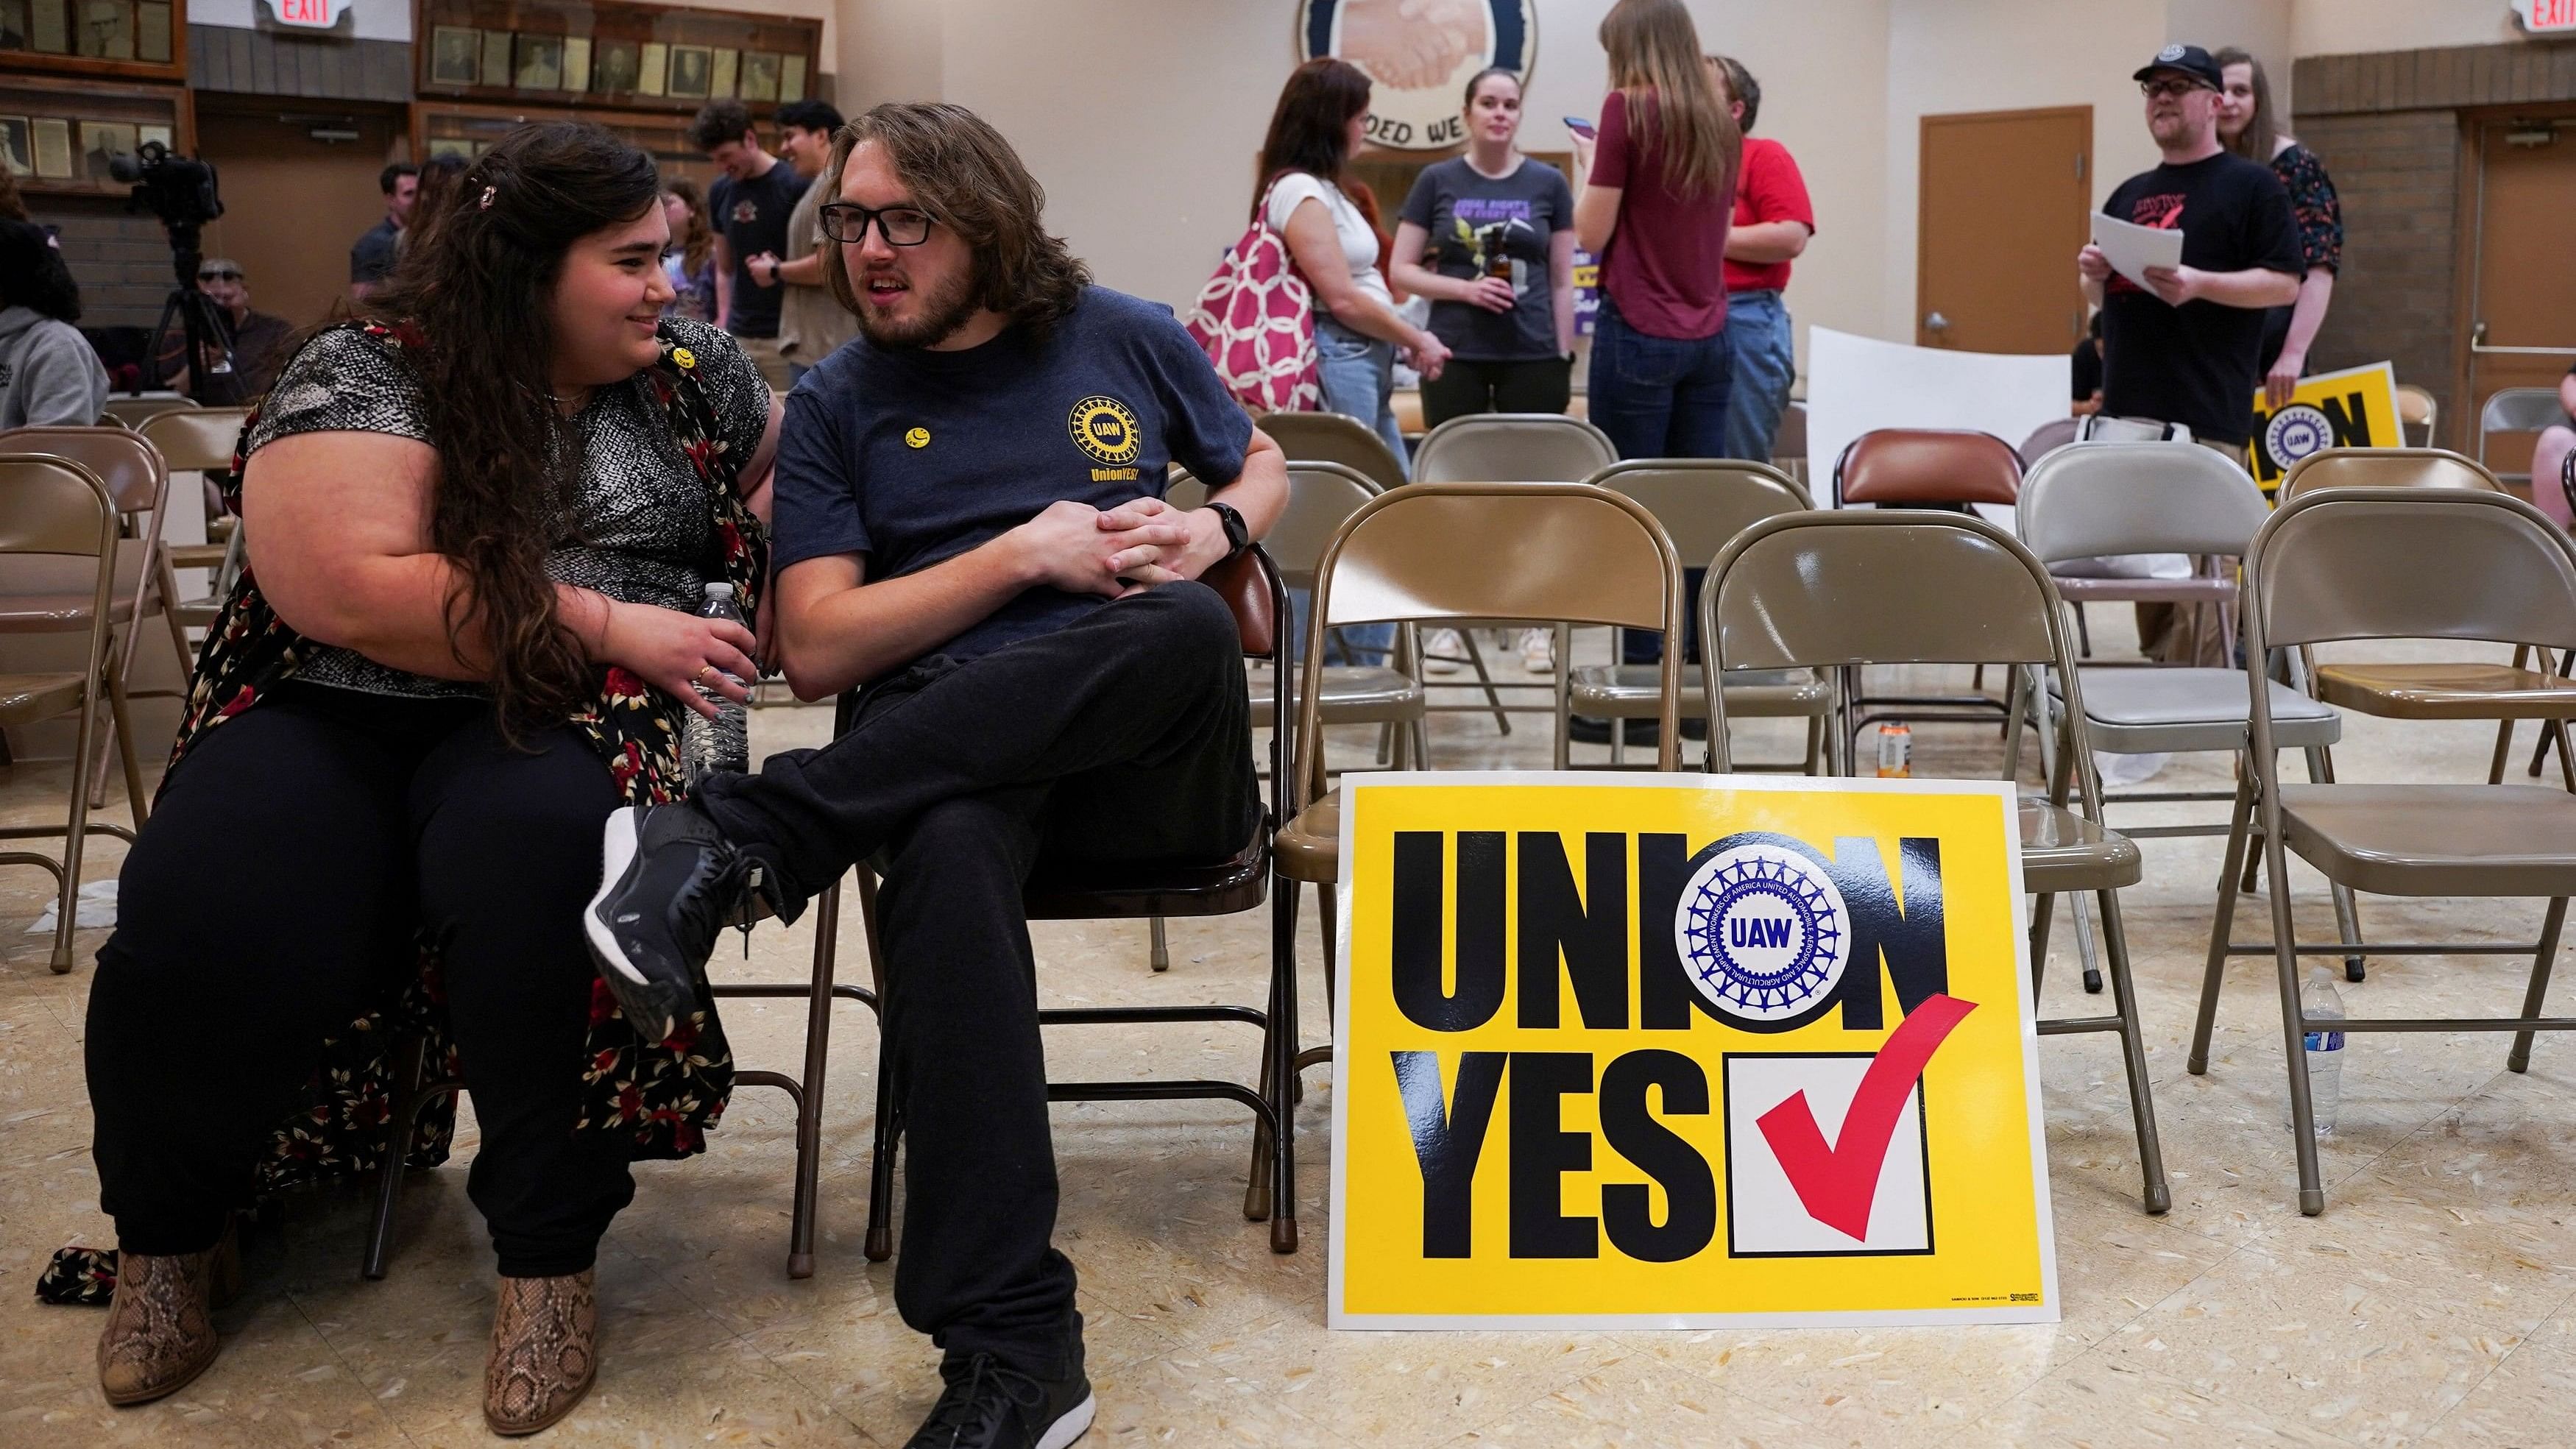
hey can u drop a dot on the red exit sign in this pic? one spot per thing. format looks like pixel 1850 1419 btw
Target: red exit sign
pixel 2542 17
pixel 313 14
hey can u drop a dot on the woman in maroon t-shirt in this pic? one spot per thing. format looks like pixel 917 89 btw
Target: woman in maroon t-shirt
pixel 1658 194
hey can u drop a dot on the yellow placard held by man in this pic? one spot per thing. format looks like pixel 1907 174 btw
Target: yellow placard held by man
pixel 2354 408
pixel 1684 1050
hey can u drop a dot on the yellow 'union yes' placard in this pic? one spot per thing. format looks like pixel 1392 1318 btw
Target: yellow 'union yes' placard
pixel 1684 1050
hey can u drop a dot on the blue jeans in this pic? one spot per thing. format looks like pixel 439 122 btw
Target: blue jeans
pixel 1359 380
pixel 1764 361
pixel 1658 397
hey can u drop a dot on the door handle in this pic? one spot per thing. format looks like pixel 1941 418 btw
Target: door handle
pixel 1936 323
pixel 2478 344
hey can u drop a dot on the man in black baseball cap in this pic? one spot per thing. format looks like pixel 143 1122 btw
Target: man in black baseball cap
pixel 2186 60
pixel 2184 344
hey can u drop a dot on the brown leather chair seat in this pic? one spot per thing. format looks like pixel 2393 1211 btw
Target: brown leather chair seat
pixel 2447 691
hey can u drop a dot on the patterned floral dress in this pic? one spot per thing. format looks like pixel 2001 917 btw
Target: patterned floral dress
pixel 2318 213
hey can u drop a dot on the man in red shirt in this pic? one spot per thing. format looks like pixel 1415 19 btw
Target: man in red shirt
pixel 1773 220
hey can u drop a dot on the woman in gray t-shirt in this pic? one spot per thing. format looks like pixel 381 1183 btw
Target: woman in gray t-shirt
pixel 1489 238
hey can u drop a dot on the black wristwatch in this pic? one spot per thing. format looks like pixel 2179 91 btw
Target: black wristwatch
pixel 1238 534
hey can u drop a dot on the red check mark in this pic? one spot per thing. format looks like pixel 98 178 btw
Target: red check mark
pixel 1838 1183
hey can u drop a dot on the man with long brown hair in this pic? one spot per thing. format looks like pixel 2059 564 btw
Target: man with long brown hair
pixel 971 529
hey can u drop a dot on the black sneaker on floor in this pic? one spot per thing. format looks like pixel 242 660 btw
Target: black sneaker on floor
pixel 1584 730
pixel 669 883
pixel 990 1405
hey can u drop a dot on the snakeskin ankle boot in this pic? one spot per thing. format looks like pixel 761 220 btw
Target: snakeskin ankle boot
pixel 542 1351
pixel 158 1335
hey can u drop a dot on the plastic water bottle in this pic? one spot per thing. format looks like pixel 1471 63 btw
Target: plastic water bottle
pixel 709 746
pixel 1895 751
pixel 2321 1003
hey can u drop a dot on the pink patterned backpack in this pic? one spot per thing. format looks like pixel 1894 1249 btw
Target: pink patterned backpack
pixel 1255 320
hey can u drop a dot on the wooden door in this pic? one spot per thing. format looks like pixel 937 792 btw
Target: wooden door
pixel 292 203
pixel 2522 305
pixel 2001 214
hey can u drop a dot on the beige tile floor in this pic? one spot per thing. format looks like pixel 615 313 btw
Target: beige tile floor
pixel 2434 1302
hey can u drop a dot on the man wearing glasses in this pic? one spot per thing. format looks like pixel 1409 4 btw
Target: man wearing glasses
pixel 260 343
pixel 2187 347
pixel 970 526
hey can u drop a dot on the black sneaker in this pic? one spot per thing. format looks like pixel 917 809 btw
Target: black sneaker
pixel 990 1405
pixel 670 882
pixel 1584 730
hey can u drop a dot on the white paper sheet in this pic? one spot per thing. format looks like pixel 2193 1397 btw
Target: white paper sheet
pixel 1855 384
pixel 2133 248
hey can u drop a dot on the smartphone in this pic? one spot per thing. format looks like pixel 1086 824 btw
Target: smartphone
pixel 1580 127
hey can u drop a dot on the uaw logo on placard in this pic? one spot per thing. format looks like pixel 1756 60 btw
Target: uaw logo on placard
pixel 1644 1048
pixel 1418 54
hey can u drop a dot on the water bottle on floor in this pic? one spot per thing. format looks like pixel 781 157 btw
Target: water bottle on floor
pixel 2322 1004
pixel 708 746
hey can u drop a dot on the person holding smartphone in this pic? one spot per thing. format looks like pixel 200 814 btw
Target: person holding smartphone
pixel 1656 204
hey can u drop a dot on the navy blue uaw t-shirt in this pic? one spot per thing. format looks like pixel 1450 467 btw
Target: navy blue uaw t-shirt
pixel 912 457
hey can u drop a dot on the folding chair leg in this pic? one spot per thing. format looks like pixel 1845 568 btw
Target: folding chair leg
pixel 136 799
pixel 411 1064
pixel 2083 634
pixel 2541 962
pixel 1815 744
pixel 1476 659
pixel 882 1134
pixel 76 834
pixel 2043 910
pixel 2084 951
pixel 1279 1083
pixel 2285 960
pixel 809 1100
pixel 2556 733
pixel 1283 956
pixel 2133 1056
pixel 2504 747
pixel 2221 925
pixel 2347 910
pixel 1158 953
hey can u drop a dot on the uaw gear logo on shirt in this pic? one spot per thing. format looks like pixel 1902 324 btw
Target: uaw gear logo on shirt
pixel 1106 429
pixel 1764 933
pixel 1419 53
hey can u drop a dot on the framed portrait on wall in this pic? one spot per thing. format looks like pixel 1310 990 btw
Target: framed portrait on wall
pixel 496 57
pixel 728 72
pixel 52 138
pixel 576 63
pixel 653 65
pixel 692 68
pixel 539 63
pixel 152 31
pixel 760 75
pixel 49 26
pixel 106 29
pixel 17 148
pixel 455 55
pixel 791 78
pixel 101 142
pixel 616 68
pixel 146 135
pixel 16 30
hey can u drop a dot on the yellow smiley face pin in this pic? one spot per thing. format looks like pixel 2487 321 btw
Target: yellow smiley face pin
pixel 917 438
pixel 684 357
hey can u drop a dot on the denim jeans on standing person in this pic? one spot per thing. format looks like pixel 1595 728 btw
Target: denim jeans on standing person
pixel 1658 397
pixel 1763 362
pixel 1358 374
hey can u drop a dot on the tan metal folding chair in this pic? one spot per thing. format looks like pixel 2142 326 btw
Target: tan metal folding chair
pixel 57 519
pixel 1450 553
pixel 1845 588
pixel 1701 502
pixel 200 440
pixel 2506 693
pixel 133 412
pixel 1513 448
pixel 2348 564
pixel 2516 410
pixel 2417 409
pixel 1333 438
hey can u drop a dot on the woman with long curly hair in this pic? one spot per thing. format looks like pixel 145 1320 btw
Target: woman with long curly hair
pixel 691 261
pixel 480 517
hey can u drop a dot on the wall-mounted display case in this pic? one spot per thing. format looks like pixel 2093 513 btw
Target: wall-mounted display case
pixel 601 53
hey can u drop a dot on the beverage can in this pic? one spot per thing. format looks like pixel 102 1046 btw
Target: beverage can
pixel 1895 751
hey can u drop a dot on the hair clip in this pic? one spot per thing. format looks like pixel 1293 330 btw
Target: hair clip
pixel 488 193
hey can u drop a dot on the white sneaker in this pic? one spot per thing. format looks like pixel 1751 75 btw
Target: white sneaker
pixel 1443 652
pixel 1538 650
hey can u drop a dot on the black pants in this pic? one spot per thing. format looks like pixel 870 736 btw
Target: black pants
pixel 1123 737
pixel 286 870
pixel 1528 385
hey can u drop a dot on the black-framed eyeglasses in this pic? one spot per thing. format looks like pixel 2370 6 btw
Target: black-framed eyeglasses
pixel 2174 86
pixel 901 226
pixel 219 276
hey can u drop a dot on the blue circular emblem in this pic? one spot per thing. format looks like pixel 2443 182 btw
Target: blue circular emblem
pixel 2295 432
pixel 1764 934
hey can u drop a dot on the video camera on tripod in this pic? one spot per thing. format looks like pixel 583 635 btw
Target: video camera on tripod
pixel 182 191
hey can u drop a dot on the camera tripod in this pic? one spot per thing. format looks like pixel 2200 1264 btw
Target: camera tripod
pixel 201 323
